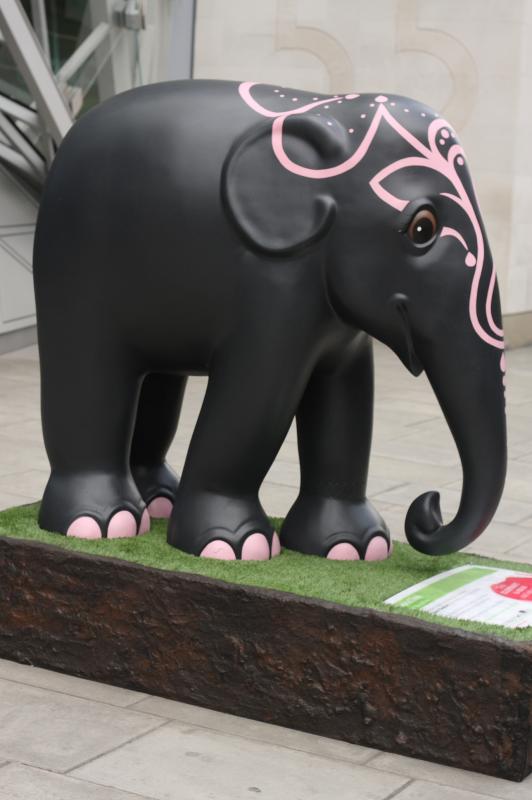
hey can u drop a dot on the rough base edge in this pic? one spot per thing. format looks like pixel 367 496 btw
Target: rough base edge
pixel 374 679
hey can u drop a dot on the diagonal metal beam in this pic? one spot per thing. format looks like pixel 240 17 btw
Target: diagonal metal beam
pixel 23 146
pixel 85 50
pixel 13 159
pixel 19 111
pixel 31 61
pixel 40 24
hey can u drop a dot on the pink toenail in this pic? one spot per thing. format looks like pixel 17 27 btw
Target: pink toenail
pixel 122 525
pixel 218 549
pixel 256 548
pixel 84 528
pixel 343 552
pixel 377 549
pixel 276 545
pixel 160 508
pixel 144 522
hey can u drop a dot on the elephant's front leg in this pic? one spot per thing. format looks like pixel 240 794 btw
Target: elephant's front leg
pixel 332 516
pixel 253 392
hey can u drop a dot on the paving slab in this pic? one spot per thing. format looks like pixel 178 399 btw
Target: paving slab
pixel 57 731
pixel 21 782
pixel 420 790
pixel 499 540
pixel 276 498
pixel 419 449
pixel 523 550
pixel 18 457
pixel 10 500
pixel 182 762
pixel 427 771
pixel 518 484
pixel 259 731
pixel 29 483
pixel 400 471
pixel 510 511
pixel 68 684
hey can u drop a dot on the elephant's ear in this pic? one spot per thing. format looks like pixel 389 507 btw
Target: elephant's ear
pixel 275 209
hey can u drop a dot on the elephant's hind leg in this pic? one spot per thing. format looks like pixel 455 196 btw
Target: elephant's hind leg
pixel 158 412
pixel 332 516
pixel 89 398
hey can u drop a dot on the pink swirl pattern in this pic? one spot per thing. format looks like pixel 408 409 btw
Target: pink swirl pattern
pixel 429 157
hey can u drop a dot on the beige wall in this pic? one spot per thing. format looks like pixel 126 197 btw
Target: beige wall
pixel 470 59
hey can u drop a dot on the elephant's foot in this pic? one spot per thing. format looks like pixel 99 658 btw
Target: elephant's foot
pixel 93 506
pixel 219 526
pixel 158 487
pixel 336 529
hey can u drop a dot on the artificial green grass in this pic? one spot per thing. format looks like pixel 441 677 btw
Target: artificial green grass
pixel 359 584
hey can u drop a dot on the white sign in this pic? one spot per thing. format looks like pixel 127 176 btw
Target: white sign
pixel 478 594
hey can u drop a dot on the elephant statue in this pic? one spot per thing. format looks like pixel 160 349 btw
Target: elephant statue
pixel 259 235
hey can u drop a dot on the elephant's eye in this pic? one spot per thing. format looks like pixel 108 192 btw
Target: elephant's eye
pixel 422 227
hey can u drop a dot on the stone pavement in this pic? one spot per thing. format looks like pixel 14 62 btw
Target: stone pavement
pixel 62 738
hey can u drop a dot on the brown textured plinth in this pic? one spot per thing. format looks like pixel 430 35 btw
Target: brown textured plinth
pixel 362 676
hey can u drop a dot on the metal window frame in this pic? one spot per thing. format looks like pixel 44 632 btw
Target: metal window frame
pixel 40 24
pixel 81 55
pixel 31 61
pixel 54 99
pixel 182 30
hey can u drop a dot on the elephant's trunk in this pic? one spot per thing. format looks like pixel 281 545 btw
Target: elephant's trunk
pixel 467 378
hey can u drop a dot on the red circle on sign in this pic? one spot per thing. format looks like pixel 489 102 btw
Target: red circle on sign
pixel 515 588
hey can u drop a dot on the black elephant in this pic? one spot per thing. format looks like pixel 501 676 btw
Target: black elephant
pixel 259 235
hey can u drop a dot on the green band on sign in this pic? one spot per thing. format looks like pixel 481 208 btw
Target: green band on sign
pixel 428 594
